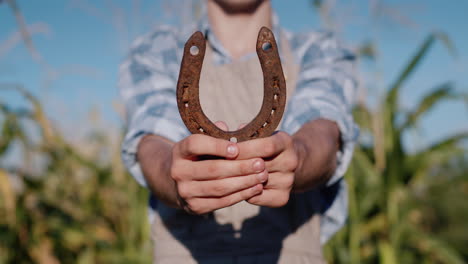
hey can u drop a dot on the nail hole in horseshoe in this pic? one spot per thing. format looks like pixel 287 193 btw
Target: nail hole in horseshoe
pixel 267 46
pixel 275 96
pixel 194 50
pixel 233 139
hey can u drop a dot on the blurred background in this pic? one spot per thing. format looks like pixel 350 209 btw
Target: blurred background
pixel 66 198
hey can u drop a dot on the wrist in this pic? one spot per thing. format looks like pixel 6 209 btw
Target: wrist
pixel 316 145
pixel 155 157
pixel 301 150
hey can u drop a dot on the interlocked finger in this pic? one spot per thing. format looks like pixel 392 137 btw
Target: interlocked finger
pixel 205 205
pixel 218 169
pixel 227 186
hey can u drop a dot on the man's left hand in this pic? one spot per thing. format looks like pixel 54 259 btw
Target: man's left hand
pixel 281 160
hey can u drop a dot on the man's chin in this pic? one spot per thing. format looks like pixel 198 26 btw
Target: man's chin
pixel 239 6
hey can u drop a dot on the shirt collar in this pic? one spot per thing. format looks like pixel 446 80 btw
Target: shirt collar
pixel 205 27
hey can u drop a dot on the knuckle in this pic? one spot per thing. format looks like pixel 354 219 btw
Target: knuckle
pixel 290 181
pixel 228 200
pixel 184 191
pixel 195 172
pixel 292 162
pixel 194 206
pixel 246 194
pixel 245 167
pixel 175 173
pixel 218 189
pixel 269 148
pixel 179 171
pixel 255 200
pixel 280 134
pixel 189 143
pixel 193 143
pixel 284 138
pixel 197 207
pixel 212 169
pixel 247 182
pixel 220 147
pixel 282 200
pixel 252 181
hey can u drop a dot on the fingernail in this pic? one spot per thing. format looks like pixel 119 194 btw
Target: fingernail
pixel 232 150
pixel 262 176
pixel 257 188
pixel 258 166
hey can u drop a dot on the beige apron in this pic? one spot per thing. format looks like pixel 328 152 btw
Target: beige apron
pixel 233 93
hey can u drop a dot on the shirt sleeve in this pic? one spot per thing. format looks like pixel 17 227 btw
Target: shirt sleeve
pixel 325 89
pixel 147 84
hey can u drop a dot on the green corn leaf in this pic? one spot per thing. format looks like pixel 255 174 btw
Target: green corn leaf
pixel 386 253
pixel 9 132
pixel 393 94
pixel 368 183
pixel 38 114
pixel 439 94
pixel 374 225
pixel 363 116
pixel 390 106
pixel 432 155
pixel 422 168
pixel 436 248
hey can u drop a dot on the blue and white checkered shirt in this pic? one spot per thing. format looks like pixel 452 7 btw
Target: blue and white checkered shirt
pixel 325 89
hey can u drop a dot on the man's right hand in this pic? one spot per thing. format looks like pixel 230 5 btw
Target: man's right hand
pixel 204 185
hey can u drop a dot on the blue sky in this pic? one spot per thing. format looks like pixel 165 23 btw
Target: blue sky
pixel 84 41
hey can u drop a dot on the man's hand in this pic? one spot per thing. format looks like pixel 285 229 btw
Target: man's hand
pixel 204 185
pixel 299 162
pixel 281 159
pixel 185 175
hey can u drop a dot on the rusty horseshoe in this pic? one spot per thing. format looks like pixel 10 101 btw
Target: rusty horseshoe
pixel 274 90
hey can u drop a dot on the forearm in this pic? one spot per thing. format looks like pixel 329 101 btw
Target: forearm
pixel 155 157
pixel 316 144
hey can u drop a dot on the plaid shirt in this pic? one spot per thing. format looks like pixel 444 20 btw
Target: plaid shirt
pixel 325 89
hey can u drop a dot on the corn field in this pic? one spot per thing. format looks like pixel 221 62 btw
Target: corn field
pixel 405 207
pixel 82 207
